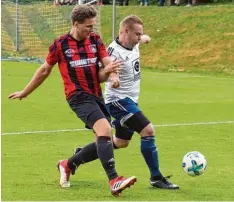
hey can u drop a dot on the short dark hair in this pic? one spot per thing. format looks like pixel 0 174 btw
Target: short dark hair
pixel 82 12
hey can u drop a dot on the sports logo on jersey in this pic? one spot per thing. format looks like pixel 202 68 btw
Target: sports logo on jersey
pixel 69 52
pixel 99 42
pixel 110 50
pixel 81 50
pixel 93 48
pixel 136 69
pixel 83 62
pixel 137 66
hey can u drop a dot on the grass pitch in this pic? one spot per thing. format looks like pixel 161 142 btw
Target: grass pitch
pixel 192 112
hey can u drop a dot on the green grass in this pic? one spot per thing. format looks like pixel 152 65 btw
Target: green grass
pixel 42 28
pixel 8 23
pixel 198 39
pixel 28 161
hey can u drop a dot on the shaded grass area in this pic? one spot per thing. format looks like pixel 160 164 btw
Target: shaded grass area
pixel 66 12
pixel 8 23
pixel 10 26
pixel 40 25
pixel 197 39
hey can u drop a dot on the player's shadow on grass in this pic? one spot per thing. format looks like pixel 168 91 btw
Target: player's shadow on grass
pixel 155 188
pixel 87 184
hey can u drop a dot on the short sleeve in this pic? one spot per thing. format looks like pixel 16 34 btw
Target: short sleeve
pixel 53 55
pixel 112 53
pixel 102 53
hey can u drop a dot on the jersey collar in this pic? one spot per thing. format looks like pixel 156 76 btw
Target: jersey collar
pixel 117 41
pixel 74 38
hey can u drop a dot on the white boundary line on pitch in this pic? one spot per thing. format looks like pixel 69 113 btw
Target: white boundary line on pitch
pixel 185 75
pixel 84 129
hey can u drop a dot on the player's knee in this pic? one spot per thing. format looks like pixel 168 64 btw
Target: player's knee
pixel 124 144
pixel 106 131
pixel 121 143
pixel 148 131
pixel 102 128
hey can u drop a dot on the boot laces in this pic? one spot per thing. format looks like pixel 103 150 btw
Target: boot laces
pixel 165 179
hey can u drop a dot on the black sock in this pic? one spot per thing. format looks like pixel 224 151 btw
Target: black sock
pixel 106 156
pixel 87 154
pixel 158 177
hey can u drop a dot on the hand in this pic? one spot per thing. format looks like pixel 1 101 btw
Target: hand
pixel 145 39
pixel 17 95
pixel 115 82
pixel 114 66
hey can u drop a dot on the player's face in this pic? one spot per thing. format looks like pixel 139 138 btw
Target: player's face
pixel 84 29
pixel 135 34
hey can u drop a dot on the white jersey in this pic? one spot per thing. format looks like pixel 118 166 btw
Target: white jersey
pixel 129 74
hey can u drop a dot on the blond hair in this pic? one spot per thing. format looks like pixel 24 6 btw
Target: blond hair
pixel 129 21
pixel 82 12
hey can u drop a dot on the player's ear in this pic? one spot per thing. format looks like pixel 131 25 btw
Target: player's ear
pixel 126 30
pixel 75 24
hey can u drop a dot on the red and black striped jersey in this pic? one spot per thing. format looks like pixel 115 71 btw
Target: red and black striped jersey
pixel 78 63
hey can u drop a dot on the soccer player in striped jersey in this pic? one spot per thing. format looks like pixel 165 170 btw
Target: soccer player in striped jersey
pixel 122 102
pixel 78 54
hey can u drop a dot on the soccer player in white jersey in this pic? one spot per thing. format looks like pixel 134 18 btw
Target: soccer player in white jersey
pixel 122 102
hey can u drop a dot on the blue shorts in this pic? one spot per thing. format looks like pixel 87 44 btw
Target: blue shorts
pixel 122 109
pixel 128 118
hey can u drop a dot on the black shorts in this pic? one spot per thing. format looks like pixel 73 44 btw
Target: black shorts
pixel 137 123
pixel 88 108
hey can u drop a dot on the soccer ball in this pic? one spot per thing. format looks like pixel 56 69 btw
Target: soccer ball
pixel 194 163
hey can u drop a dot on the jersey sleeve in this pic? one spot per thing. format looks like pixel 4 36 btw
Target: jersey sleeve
pixel 101 48
pixel 53 55
pixel 113 53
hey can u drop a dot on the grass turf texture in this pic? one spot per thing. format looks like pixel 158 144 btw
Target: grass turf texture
pixel 28 161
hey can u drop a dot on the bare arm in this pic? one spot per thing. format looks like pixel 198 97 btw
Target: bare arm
pixel 40 75
pixel 103 75
pixel 110 69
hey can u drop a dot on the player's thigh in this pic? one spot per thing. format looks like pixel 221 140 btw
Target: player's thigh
pixel 129 115
pixel 88 110
pixel 139 123
pixel 122 109
pixel 123 134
